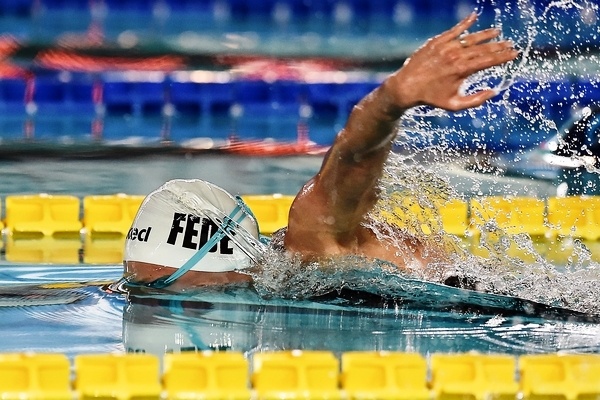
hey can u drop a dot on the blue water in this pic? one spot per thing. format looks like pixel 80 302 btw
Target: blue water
pixel 66 308
pixel 237 319
pixel 93 320
pixel 238 175
pixel 81 317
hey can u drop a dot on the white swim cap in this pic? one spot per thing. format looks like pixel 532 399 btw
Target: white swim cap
pixel 171 326
pixel 193 225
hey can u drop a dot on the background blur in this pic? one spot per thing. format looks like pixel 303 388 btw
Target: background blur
pixel 107 78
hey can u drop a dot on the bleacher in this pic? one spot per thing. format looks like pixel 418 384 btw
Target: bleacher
pixel 46 228
pixel 172 17
pixel 47 108
pixel 59 59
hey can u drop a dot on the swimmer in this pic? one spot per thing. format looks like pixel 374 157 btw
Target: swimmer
pixel 327 217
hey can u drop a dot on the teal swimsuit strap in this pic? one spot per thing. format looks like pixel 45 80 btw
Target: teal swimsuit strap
pixel 228 224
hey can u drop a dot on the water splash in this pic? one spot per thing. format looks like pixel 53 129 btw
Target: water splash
pixel 523 113
pixel 537 93
pixel 517 23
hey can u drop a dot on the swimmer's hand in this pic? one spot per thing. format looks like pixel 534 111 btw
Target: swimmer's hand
pixel 434 73
pixel 327 217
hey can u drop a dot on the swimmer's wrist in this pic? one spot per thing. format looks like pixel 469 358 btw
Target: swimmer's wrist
pixel 394 100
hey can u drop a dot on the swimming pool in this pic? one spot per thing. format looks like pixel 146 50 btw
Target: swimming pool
pixel 63 306
pixel 83 318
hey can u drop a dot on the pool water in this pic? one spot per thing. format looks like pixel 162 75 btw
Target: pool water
pixel 237 175
pixel 73 320
pixel 69 309
pixel 66 308
pixel 67 315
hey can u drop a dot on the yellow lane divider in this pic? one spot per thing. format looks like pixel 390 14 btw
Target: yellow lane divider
pixel 66 229
pixel 299 374
pixel 60 216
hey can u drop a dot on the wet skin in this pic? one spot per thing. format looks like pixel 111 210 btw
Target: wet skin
pixel 328 214
pixel 327 217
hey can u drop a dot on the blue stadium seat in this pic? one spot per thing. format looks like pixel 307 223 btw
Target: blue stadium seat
pixel 435 11
pixel 201 110
pixel 321 134
pixel 50 93
pixel 299 9
pixel 120 98
pixel 381 7
pixel 570 27
pixel 326 109
pixel 496 130
pixel 246 10
pixel 83 106
pixel 133 110
pixel 325 7
pixel 151 96
pixel 586 93
pixel 140 6
pixel 12 108
pixel 527 104
pixel 185 126
pixel 205 7
pixel 524 90
pixel 217 98
pixel 526 122
pixel 322 96
pixel 52 107
pixel 252 92
pixel 349 94
pixel 133 129
pixel 479 128
pixel 289 92
pixel 64 5
pixel 81 94
pixel 268 120
pixel 266 110
pixel 186 97
pixel 19 8
pixel 12 91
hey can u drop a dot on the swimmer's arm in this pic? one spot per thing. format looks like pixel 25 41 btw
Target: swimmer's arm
pixel 345 187
pixel 432 76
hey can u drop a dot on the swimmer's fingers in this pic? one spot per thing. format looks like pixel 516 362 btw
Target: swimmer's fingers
pixel 488 49
pixel 457 30
pixel 500 55
pixel 470 101
pixel 473 39
pixel 495 54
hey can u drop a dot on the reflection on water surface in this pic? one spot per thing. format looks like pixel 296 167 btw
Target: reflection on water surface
pixel 93 320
